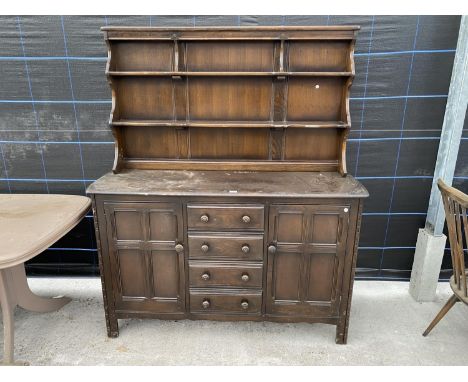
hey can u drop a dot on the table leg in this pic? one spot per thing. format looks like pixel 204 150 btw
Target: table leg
pixel 8 302
pixel 14 290
pixel 27 299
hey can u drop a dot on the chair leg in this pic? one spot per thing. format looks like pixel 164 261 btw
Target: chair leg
pixel 448 305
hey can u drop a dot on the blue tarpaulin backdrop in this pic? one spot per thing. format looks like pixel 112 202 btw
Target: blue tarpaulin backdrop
pixel 55 103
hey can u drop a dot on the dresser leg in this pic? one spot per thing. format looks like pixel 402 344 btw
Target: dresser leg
pixel 112 322
pixel 112 325
pixel 342 332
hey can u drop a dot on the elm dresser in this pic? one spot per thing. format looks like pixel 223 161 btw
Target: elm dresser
pixel 229 197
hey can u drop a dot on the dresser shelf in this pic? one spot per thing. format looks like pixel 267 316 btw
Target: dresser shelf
pixel 234 124
pixel 233 165
pixel 226 74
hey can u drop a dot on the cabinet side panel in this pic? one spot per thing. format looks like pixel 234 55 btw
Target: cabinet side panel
pixel 104 267
pixel 348 272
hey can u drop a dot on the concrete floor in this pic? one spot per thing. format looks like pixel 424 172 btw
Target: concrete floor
pixel 386 326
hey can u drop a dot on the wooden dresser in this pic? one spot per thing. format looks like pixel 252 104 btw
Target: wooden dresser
pixel 229 198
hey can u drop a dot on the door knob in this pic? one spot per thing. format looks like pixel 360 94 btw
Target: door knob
pixel 272 249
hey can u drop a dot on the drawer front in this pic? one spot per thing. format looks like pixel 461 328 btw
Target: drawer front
pixel 245 247
pixel 226 275
pixel 225 302
pixel 226 216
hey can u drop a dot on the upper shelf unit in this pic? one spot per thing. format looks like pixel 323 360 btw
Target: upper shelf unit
pixel 241 79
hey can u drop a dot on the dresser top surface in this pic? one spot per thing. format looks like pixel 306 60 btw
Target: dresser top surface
pixel 235 28
pixel 229 183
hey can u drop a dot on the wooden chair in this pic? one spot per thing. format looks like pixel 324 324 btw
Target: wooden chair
pixel 455 205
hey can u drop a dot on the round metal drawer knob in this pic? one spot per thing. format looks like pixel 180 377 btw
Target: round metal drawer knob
pixel 206 304
pixel 271 249
pixel 204 218
pixel 245 248
pixel 245 277
pixel 205 276
pixel 245 304
pixel 179 248
pixel 205 248
pixel 246 219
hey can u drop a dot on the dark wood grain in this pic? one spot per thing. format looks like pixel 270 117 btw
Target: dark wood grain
pixel 229 198
pixel 214 81
pixel 241 275
pixel 225 246
pixel 143 260
pixel 225 301
pixel 227 216
pixel 221 56
pixel 303 272
pixel 318 185
pixel 141 56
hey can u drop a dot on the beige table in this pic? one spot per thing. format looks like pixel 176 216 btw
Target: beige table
pixel 29 224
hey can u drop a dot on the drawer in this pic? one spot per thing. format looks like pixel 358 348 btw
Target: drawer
pixel 228 275
pixel 241 247
pixel 225 216
pixel 223 301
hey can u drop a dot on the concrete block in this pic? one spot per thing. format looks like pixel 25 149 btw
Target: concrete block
pixel 426 267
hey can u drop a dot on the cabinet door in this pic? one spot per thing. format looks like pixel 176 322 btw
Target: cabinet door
pixel 147 272
pixel 305 271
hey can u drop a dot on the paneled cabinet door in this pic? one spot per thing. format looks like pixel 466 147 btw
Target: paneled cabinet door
pixel 306 250
pixel 147 271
